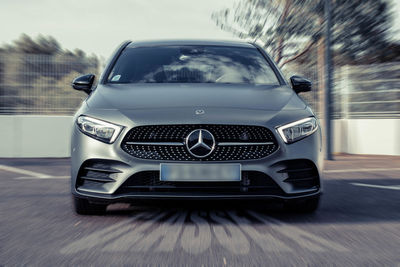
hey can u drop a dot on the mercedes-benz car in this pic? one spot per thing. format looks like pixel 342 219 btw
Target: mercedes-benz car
pixel 186 119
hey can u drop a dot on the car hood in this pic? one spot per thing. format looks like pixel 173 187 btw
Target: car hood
pixel 175 96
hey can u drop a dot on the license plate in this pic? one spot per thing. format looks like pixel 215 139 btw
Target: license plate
pixel 200 172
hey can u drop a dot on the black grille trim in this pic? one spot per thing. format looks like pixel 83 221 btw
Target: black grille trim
pixel 301 173
pixel 95 173
pixel 253 182
pixel 177 134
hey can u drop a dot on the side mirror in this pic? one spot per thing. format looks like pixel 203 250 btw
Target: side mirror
pixel 84 83
pixel 300 84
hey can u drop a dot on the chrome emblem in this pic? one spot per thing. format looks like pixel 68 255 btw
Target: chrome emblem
pixel 200 143
pixel 199 111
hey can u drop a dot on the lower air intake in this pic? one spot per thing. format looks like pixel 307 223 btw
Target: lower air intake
pixel 252 183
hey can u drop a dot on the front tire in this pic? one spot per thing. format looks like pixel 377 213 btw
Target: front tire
pixel 84 207
pixel 302 206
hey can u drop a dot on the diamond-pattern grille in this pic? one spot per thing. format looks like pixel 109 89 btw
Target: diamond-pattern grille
pixel 177 134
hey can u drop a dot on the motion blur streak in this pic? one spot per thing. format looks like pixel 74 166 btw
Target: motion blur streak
pixel 266 241
pixel 128 236
pixel 168 232
pixel 107 234
pixel 236 242
pixel 196 243
pixel 355 225
pixel 310 241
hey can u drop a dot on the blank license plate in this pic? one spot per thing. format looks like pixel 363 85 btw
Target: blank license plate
pixel 200 172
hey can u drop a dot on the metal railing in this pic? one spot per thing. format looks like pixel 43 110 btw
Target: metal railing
pixel 364 91
pixel 370 91
pixel 40 84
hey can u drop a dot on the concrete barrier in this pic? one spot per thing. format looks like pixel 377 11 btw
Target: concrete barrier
pixel 35 136
pixel 49 136
pixel 367 136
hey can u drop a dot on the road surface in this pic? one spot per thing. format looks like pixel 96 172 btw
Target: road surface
pixel 358 223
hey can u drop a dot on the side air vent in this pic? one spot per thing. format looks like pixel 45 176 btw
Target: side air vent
pixel 93 172
pixel 301 174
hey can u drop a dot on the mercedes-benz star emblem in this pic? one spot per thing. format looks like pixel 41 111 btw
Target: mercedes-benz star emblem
pixel 200 143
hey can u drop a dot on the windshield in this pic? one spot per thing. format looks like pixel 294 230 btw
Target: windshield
pixel 192 64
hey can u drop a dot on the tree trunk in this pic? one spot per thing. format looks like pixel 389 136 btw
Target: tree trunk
pixel 280 42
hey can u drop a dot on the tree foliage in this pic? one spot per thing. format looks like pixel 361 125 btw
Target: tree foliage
pixel 35 75
pixel 43 45
pixel 288 29
pixel 54 57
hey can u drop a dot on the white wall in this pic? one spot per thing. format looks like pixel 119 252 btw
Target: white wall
pixel 49 136
pixel 35 136
pixel 367 136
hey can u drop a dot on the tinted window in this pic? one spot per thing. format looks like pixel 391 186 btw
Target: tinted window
pixel 192 64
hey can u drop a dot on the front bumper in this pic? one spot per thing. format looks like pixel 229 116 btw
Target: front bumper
pixel 127 198
pixel 86 150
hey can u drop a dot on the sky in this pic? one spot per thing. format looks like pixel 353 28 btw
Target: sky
pixel 396 16
pixel 99 26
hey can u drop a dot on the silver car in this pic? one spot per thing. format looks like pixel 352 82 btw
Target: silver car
pixel 184 119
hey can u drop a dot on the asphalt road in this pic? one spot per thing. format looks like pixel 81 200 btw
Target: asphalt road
pixel 358 223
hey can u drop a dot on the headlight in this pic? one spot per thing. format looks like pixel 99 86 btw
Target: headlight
pixel 297 130
pixel 100 130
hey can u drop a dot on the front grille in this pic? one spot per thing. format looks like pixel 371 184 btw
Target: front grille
pixel 253 182
pixel 149 142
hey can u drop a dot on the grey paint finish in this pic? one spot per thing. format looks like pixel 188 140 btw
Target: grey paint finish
pixel 132 105
pixel 149 96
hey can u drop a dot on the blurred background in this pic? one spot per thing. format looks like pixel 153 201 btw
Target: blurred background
pixel 45 44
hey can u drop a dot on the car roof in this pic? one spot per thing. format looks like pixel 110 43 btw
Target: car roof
pixel 179 42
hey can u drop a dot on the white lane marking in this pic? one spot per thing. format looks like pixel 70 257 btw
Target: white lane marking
pixel 363 170
pixel 234 241
pixel 22 171
pixel 393 187
pixel 42 177
pixel 192 243
pixel 303 238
